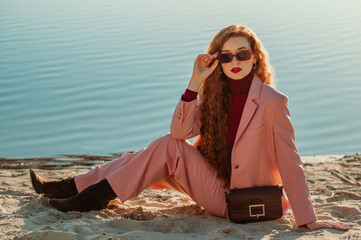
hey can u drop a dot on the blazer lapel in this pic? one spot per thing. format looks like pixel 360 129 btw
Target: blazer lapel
pixel 250 106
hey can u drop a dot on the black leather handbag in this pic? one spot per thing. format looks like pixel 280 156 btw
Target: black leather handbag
pixel 254 204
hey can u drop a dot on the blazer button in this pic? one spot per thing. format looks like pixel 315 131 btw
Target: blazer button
pixel 236 166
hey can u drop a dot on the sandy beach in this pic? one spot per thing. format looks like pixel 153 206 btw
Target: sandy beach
pixel 334 181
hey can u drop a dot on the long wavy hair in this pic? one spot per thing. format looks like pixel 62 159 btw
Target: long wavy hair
pixel 214 97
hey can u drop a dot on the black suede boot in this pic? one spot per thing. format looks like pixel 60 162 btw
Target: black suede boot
pixel 53 188
pixel 94 197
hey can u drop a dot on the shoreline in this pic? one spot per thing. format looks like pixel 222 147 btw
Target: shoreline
pixel 83 161
pixel 321 158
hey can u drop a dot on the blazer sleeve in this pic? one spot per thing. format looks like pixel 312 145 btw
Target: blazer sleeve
pixel 186 120
pixel 290 166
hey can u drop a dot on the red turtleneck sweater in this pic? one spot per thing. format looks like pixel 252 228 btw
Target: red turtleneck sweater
pixel 239 93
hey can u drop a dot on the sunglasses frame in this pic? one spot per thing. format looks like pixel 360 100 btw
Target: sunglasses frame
pixel 235 55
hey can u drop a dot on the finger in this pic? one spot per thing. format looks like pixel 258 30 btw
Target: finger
pixel 204 60
pixel 214 65
pixel 208 56
pixel 326 225
pixel 201 57
pixel 339 226
pixel 344 225
pixel 204 55
pixel 336 225
pixel 322 224
pixel 208 60
pixel 216 54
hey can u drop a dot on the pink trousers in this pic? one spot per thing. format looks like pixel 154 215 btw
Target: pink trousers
pixel 164 163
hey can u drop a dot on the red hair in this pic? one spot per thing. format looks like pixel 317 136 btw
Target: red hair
pixel 214 99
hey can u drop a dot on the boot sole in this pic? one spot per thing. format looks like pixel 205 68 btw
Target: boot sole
pixel 33 181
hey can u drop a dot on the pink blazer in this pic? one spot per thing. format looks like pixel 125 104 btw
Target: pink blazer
pixel 264 152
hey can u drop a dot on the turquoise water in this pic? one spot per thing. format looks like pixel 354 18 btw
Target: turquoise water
pixel 100 77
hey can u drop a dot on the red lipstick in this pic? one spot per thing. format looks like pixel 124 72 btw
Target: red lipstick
pixel 236 70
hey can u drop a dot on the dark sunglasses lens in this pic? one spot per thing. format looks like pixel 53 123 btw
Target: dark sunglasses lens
pixel 224 58
pixel 244 55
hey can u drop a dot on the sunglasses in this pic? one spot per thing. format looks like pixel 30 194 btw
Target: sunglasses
pixel 241 56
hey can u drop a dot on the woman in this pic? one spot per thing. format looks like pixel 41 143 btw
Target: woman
pixel 245 139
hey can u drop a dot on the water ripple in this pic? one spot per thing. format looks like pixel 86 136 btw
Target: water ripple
pixel 98 77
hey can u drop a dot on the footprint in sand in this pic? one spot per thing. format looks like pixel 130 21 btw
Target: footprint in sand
pixel 343 195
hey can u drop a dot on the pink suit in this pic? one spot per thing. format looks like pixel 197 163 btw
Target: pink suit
pixel 264 153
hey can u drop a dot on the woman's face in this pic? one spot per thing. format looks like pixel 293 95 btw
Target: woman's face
pixel 234 45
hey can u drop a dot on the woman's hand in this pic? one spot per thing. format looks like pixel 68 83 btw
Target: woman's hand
pixel 201 70
pixel 327 224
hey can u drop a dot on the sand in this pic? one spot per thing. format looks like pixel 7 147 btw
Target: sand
pixel 334 181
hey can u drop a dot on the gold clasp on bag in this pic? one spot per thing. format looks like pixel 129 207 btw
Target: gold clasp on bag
pixel 256 215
